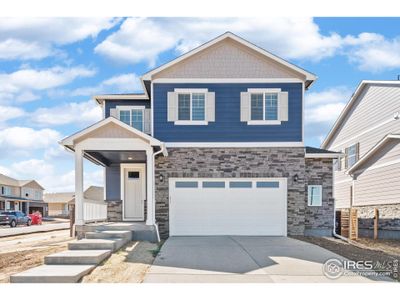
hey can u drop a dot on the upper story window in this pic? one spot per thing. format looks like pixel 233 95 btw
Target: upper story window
pixel 191 106
pixel 6 190
pixel 38 195
pixel 352 155
pixel 264 106
pixel 133 116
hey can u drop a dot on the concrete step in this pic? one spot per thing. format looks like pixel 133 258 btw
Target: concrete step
pixel 53 274
pixel 97 244
pixel 77 257
pixel 125 234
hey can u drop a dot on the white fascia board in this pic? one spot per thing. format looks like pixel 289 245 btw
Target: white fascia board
pixel 308 75
pixel 372 152
pixel 227 80
pixel 349 104
pixel 323 155
pixel 69 141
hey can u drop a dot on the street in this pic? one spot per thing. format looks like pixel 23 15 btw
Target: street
pixel 6 231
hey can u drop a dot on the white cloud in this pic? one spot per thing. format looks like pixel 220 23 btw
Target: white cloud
pixel 78 113
pixel 36 38
pixel 15 140
pixel 124 83
pixel 371 52
pixel 23 84
pixel 141 39
pixel 10 112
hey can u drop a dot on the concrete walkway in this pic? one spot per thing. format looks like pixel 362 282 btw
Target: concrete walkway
pixel 241 259
pixel 7 231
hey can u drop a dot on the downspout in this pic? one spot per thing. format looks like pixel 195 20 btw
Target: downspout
pixel 154 191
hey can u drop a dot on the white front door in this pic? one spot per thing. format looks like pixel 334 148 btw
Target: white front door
pixel 228 206
pixel 133 191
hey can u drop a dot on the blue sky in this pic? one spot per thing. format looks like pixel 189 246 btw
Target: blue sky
pixel 50 68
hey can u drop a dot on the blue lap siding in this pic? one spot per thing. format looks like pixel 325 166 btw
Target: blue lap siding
pixel 114 103
pixel 227 126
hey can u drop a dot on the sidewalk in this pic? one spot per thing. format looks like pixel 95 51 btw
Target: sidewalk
pixel 7 231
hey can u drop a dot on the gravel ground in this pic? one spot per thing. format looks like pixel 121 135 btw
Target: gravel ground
pixel 384 250
pixel 128 265
pixel 23 252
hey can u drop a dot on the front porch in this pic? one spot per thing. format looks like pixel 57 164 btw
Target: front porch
pixel 127 156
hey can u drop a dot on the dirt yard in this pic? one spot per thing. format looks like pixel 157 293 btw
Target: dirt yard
pixel 363 249
pixel 22 252
pixel 128 265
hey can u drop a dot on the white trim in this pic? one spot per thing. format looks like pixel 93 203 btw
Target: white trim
pixel 323 155
pixel 309 200
pixel 371 152
pixel 130 108
pixel 188 122
pixel 142 168
pixel 264 122
pixel 227 80
pixel 349 104
pixel 303 109
pixel 190 90
pixel 151 108
pixel 308 75
pixel 264 90
pixel 232 144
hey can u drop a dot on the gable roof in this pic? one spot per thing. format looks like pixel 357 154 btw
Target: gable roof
pixel 69 141
pixel 350 104
pixel 6 180
pixel 312 152
pixel 310 77
pixel 58 197
pixel 372 152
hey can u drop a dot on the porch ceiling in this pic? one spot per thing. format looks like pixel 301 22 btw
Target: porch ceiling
pixel 117 157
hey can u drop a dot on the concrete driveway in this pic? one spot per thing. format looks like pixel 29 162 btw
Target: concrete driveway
pixel 241 259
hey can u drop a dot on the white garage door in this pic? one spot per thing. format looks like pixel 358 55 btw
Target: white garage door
pixel 243 206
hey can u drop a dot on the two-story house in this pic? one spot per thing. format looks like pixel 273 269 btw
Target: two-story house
pixel 22 195
pixel 368 177
pixel 214 146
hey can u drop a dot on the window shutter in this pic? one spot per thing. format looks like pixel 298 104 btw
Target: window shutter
pixel 283 106
pixel 172 106
pixel 147 121
pixel 114 113
pixel 210 107
pixel 357 151
pixel 244 106
pixel 346 152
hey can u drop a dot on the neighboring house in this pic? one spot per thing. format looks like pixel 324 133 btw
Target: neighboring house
pixel 22 195
pixel 368 177
pixel 59 203
pixel 214 146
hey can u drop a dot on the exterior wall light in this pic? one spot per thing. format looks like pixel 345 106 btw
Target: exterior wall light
pixel 295 177
pixel 161 178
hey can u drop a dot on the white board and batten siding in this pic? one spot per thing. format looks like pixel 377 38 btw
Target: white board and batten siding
pixel 228 206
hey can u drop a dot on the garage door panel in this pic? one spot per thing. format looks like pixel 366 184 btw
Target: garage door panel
pixel 208 208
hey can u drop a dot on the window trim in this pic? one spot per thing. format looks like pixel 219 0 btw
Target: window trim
pixel 348 156
pixel 309 200
pixel 264 92
pixel 130 108
pixel 191 92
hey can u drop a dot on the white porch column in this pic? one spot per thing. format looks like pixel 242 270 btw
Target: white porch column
pixel 79 220
pixel 150 182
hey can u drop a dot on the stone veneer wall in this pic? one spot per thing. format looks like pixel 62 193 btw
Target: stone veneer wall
pixel 114 210
pixel 233 163
pixel 389 220
pixel 319 219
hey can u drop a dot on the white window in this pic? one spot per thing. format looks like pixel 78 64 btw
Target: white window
pixel 38 195
pixel 314 195
pixel 132 115
pixel 6 190
pixel 351 155
pixel 191 107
